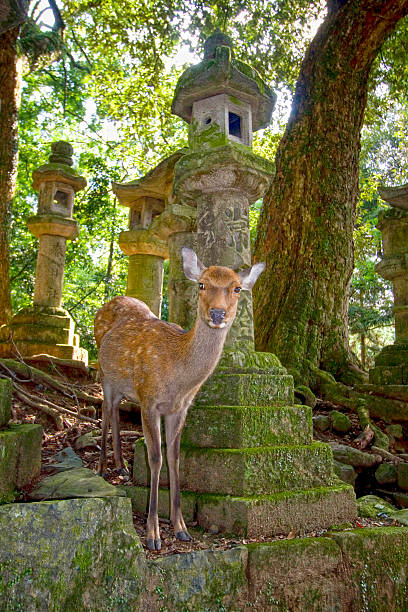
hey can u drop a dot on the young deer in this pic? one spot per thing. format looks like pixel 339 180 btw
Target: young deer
pixel 162 366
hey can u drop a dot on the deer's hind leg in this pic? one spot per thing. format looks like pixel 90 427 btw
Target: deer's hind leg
pixel 109 413
pixel 151 430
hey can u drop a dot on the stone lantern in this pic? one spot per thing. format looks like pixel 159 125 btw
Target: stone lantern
pixel 46 327
pixel 391 365
pixel 248 463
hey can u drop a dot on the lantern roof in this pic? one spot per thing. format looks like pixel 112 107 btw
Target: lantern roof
pixel 221 73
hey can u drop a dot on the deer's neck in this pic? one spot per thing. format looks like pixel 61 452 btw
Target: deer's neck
pixel 205 346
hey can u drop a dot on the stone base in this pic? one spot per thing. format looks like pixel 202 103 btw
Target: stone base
pixel 20 457
pixel 42 330
pixel 257 516
pixel 388 402
pixel 391 366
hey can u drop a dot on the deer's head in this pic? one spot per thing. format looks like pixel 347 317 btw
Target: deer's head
pixel 218 288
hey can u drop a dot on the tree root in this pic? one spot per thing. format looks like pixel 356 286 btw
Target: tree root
pixel 17 368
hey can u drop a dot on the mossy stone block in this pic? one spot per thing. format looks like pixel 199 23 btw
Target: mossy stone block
pixel 228 389
pixel 71 555
pixel 269 515
pixel 377 560
pixel 340 421
pixel 251 471
pixel 139 497
pixel 300 575
pixel 403 476
pixel 20 456
pixel 247 426
pixel 42 334
pixel 6 391
pixel 386 375
pixel 385 474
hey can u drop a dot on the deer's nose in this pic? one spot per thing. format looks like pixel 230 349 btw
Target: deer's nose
pixel 217 315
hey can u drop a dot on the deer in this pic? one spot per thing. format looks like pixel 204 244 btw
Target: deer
pixel 162 367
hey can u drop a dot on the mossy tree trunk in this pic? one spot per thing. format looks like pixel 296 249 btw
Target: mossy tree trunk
pixel 305 232
pixel 10 81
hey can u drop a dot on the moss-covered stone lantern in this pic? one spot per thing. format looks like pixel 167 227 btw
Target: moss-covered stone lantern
pixel 248 463
pixel 391 365
pixel 46 327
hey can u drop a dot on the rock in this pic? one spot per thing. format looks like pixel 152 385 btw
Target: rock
pixel 380 438
pixel 305 395
pixel 371 506
pixel 385 474
pixel 340 421
pixel 321 422
pixel 6 390
pixel 213 529
pixel 353 456
pixel 86 441
pixel 395 431
pixel 401 516
pixel 67 459
pixel 345 472
pixel 403 476
pixel 79 482
pixel 76 554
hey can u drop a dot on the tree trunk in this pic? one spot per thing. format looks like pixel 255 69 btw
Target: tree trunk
pixel 305 232
pixel 10 86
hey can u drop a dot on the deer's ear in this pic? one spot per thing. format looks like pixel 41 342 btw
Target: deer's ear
pixel 249 276
pixel 192 266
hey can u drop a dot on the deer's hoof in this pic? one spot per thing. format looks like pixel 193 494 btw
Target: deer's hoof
pixel 153 544
pixel 184 536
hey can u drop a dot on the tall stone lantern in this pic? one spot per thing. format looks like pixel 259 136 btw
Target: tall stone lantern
pixel 46 327
pixel 391 365
pixel 248 463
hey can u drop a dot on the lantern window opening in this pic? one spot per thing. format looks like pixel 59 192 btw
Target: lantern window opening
pixel 234 125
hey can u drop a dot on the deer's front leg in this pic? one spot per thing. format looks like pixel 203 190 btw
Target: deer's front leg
pixel 174 427
pixel 151 429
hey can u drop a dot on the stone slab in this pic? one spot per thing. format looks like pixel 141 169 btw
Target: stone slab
pixel 6 391
pixel 42 334
pixel 247 426
pixel 393 355
pixel 230 389
pixel 78 482
pixel 269 515
pixel 388 375
pixel 20 457
pixel 251 471
pixel 66 459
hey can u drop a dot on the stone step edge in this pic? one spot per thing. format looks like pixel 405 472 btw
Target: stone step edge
pixel 258 515
pixel 254 450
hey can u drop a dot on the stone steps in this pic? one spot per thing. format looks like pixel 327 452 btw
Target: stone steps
pixel 20 448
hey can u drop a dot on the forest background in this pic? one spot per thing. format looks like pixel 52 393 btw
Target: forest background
pixel 106 86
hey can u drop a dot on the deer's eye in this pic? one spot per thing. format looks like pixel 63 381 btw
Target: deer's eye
pixel 201 286
pixel 237 290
